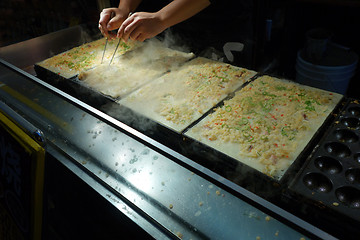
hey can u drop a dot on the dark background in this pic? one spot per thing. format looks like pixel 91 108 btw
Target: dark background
pixel 206 33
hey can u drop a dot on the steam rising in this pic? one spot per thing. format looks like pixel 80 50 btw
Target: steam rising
pixel 134 69
pixel 175 42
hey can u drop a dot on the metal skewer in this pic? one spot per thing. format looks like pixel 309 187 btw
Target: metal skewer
pixel 106 41
pixel 118 44
pixel 115 51
pixel 102 59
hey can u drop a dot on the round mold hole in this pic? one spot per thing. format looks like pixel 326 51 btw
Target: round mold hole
pixel 350 196
pixel 345 135
pixel 353 175
pixel 337 149
pixel 355 111
pixel 317 182
pixel 351 122
pixel 328 165
pixel 357 157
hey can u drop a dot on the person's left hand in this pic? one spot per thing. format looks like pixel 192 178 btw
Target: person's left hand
pixel 111 19
pixel 141 26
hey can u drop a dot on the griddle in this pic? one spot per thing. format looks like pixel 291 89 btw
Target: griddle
pixel 331 176
pixel 74 87
pixel 206 156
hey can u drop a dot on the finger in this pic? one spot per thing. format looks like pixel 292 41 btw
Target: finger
pixel 129 29
pixel 120 32
pixel 124 24
pixel 141 37
pixel 101 30
pixel 103 22
pixel 123 27
pixel 104 18
pixel 135 35
pixel 113 23
pixel 127 21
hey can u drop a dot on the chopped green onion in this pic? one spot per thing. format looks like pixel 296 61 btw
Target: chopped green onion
pixel 243 121
pixel 228 108
pixel 281 88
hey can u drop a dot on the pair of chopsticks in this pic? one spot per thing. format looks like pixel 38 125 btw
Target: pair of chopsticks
pixel 115 48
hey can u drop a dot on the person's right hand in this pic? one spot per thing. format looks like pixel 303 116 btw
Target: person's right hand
pixel 141 26
pixel 111 19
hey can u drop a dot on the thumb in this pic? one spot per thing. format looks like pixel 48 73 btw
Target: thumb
pixel 110 25
pixel 113 24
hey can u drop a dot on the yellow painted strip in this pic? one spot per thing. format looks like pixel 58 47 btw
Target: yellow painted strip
pixel 42 111
pixel 37 171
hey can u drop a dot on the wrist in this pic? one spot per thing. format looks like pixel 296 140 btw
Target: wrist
pixel 162 19
pixel 128 6
pixel 124 9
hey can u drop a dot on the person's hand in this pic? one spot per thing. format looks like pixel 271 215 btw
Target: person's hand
pixel 111 19
pixel 141 26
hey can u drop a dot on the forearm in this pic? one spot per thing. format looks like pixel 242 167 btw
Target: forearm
pixel 129 5
pixel 180 10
